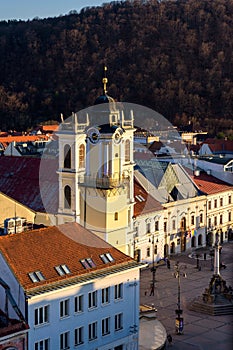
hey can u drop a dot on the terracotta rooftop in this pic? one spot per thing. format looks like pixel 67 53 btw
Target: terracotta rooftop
pixel 49 128
pixel 23 138
pixel 21 179
pixel 9 326
pixel 42 250
pixel 144 202
pixel 209 184
pixel 218 145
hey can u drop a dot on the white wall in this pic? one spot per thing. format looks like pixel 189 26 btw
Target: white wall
pixel 129 306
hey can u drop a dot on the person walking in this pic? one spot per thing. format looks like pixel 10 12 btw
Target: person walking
pixel 169 339
pixel 152 290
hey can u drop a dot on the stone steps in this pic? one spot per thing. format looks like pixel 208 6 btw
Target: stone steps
pixel 221 308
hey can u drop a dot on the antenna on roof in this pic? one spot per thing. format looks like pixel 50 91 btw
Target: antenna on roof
pixel 105 80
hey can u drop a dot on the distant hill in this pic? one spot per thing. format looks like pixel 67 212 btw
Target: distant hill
pixel 172 56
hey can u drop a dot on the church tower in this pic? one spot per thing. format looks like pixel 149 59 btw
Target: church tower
pixel 72 162
pixel 107 186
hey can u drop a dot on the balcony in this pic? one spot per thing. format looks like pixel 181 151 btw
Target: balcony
pixel 105 182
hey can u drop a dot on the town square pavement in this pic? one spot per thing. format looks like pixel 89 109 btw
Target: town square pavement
pixel 201 331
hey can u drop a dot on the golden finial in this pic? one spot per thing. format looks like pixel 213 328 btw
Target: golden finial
pixel 105 80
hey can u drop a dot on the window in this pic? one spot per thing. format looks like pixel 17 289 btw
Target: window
pixel 201 218
pixel 119 347
pixel 81 156
pixel 156 225
pixel 118 322
pixel 215 203
pixel 67 157
pixel 62 269
pixel 156 249
pixel 148 252
pixel 67 197
pixel 229 200
pixel 41 315
pixel 78 336
pixel 165 226
pixel 78 303
pixel 92 299
pixel 209 205
pixel 215 220
pixel 36 276
pixel 148 227
pixel 87 263
pixel 229 216
pixel 220 219
pixel 192 219
pixel 106 326
pixel 64 308
pixel 119 291
pixel 221 202
pixel 65 341
pixel 106 258
pixel 105 299
pixel 42 345
pixel 116 216
pixel 127 150
pixel 92 331
pixel 209 222
pixel 173 224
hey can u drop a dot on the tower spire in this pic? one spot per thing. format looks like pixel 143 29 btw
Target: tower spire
pixel 105 80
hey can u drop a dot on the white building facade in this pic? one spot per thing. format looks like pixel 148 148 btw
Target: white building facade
pixel 90 303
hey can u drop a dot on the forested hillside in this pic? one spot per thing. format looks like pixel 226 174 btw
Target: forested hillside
pixel 172 56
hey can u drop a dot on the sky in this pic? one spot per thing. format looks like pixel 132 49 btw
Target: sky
pixel 29 9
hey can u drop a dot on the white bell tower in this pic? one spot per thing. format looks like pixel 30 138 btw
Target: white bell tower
pixel 72 163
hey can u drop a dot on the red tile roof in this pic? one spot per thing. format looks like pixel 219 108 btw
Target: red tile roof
pixel 218 145
pixel 22 138
pixel 209 184
pixel 144 202
pixel 21 179
pixel 49 128
pixel 42 250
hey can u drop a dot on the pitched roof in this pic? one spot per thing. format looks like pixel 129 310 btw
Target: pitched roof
pixel 209 184
pixel 22 180
pixel 144 202
pixel 218 145
pixel 65 244
pixel 49 128
pixel 22 138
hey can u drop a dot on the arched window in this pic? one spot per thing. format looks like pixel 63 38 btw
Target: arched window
pixel 67 157
pixel 127 150
pixel 81 156
pixel 183 224
pixel 116 216
pixel 67 197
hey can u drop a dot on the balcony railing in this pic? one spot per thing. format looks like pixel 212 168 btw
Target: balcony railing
pixel 104 182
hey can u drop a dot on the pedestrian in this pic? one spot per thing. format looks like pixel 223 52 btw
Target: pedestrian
pixel 169 339
pixel 168 264
pixel 152 290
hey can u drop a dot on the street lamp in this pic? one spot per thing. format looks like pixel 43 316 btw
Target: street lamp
pixel 153 269
pixel 179 311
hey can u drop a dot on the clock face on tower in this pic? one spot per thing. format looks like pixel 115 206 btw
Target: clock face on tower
pixel 93 135
pixel 117 136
